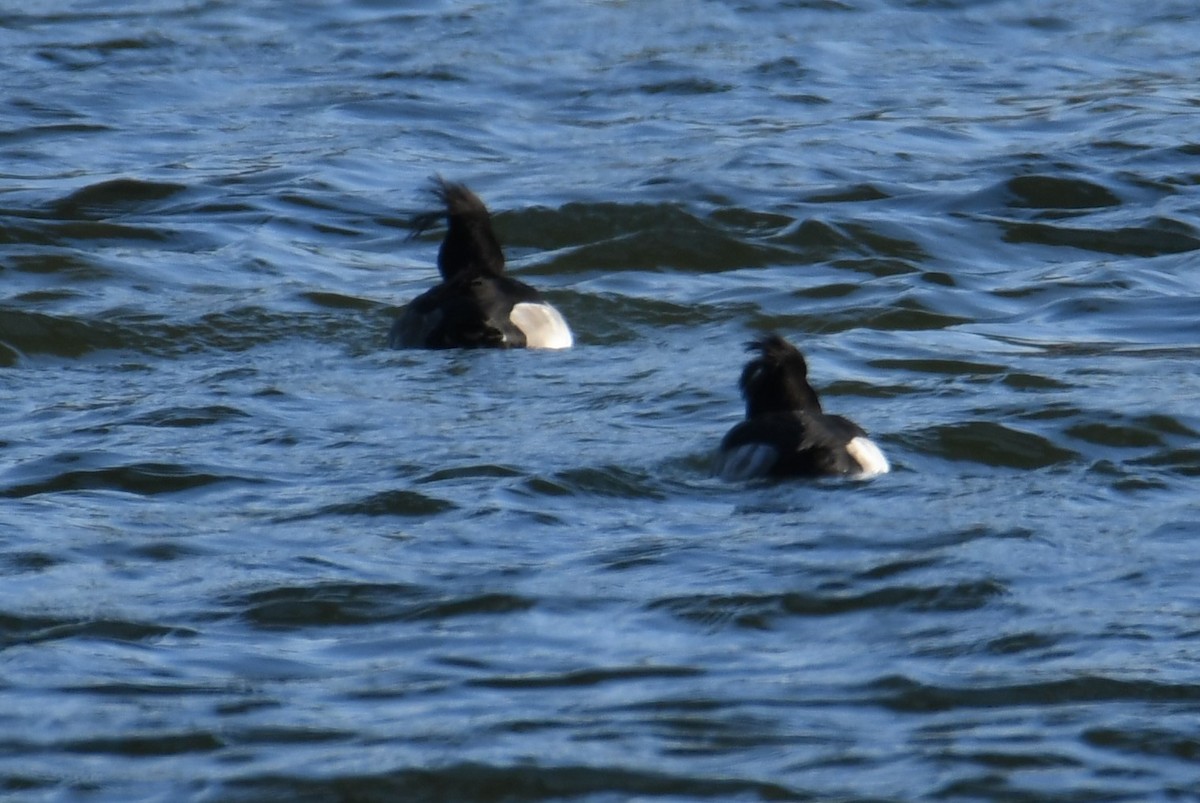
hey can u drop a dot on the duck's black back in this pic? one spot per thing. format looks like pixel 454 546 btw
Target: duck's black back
pixel 807 444
pixel 468 312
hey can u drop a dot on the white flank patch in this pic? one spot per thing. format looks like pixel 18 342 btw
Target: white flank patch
pixel 746 462
pixel 868 455
pixel 543 326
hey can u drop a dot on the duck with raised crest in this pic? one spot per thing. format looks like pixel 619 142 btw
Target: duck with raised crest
pixel 476 305
pixel 786 433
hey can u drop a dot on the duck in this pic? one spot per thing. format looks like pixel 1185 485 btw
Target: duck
pixel 476 304
pixel 786 433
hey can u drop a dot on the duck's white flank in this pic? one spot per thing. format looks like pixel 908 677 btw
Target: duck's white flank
pixel 543 326
pixel 746 462
pixel 869 456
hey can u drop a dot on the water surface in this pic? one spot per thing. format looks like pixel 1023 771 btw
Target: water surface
pixel 249 554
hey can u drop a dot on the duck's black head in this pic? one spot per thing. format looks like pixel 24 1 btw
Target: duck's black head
pixel 470 246
pixel 776 380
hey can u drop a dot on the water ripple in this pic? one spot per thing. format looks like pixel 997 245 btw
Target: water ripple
pixel 143 479
pixel 759 612
pixel 480 782
pixel 904 694
pixel 333 604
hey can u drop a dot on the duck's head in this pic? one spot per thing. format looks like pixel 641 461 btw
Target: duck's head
pixel 470 246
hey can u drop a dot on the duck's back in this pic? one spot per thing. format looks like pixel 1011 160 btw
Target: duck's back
pixel 798 443
pixel 480 312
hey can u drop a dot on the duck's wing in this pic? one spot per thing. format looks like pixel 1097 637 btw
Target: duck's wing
pixel 749 461
pixel 759 447
pixel 418 320
pixel 836 445
pixel 798 444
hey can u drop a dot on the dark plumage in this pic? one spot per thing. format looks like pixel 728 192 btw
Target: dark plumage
pixel 476 305
pixel 786 433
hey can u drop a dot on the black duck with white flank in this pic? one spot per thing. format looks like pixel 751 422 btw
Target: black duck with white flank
pixel 476 305
pixel 786 433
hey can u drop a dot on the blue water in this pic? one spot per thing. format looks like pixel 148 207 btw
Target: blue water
pixel 249 554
